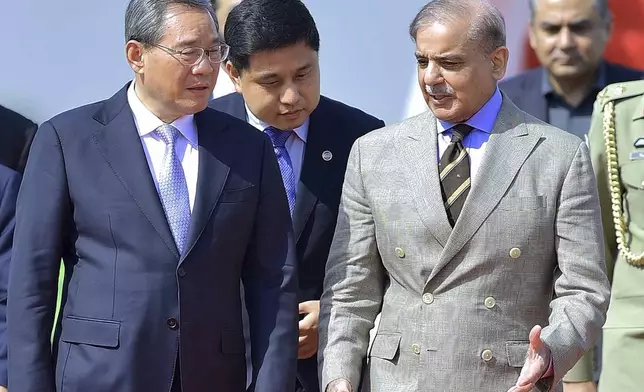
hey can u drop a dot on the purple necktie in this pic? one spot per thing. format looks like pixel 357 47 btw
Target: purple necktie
pixel 279 138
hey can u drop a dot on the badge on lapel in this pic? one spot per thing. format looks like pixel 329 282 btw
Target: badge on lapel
pixel 327 155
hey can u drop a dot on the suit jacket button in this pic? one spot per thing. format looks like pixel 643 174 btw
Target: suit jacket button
pixel 400 252
pixel 172 323
pixel 515 253
pixel 415 349
pixel 181 272
pixel 428 298
pixel 487 355
pixel 490 302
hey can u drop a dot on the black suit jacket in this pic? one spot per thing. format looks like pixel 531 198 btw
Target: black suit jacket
pixel 333 127
pixel 131 302
pixel 16 134
pixel 9 184
pixel 525 89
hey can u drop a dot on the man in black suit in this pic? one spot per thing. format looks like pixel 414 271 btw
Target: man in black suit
pixel 9 184
pixel 273 64
pixel 160 207
pixel 569 38
pixel 16 134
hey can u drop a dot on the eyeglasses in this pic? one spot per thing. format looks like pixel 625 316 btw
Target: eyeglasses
pixel 193 56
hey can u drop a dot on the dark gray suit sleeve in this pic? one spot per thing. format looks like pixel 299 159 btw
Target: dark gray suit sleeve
pixel 8 196
pixel 270 284
pixel 42 214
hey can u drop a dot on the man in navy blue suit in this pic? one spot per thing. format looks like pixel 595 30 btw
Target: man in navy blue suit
pixel 274 66
pixel 159 207
pixel 9 184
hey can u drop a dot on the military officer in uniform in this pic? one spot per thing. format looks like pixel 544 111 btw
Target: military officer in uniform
pixel 616 141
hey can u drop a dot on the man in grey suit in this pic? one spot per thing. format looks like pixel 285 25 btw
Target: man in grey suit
pixel 458 225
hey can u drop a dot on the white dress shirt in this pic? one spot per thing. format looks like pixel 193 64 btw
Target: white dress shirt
pixel 187 146
pixel 475 143
pixel 295 144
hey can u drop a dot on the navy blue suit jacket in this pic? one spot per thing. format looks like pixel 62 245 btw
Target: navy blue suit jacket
pixel 9 185
pixel 334 127
pixel 132 304
pixel 526 92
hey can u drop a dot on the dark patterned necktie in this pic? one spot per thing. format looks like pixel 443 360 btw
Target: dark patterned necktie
pixel 454 169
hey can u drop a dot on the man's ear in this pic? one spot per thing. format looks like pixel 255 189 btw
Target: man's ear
pixel 234 75
pixel 499 61
pixel 135 55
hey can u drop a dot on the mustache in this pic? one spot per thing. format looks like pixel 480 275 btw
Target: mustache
pixel 441 89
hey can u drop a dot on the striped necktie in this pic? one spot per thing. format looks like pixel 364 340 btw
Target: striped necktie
pixel 454 168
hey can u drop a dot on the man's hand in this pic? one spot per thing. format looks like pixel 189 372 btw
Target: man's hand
pixel 586 386
pixel 339 385
pixel 308 345
pixel 535 364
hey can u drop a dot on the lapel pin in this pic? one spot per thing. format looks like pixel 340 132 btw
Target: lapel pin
pixel 327 155
pixel 639 143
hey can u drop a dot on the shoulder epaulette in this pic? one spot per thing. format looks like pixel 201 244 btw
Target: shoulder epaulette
pixel 618 91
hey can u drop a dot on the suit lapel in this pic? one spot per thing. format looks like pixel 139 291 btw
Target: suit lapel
pixel 119 143
pixel 418 151
pixel 214 160
pixel 315 170
pixel 509 146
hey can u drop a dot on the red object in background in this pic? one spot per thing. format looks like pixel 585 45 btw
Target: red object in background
pixel 627 40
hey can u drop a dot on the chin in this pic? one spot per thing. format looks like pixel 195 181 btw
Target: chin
pixel 442 113
pixel 286 123
pixel 568 71
pixel 196 106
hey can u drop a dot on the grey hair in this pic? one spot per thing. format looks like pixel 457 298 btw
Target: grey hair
pixel 600 5
pixel 487 28
pixel 145 19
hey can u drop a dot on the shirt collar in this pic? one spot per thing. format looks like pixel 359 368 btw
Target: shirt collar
pixel 302 131
pixel 147 122
pixel 600 80
pixel 484 119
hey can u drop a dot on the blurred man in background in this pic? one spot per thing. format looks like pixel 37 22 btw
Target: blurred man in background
pixel 569 38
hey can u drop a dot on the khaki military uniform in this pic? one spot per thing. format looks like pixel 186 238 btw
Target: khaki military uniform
pixel 618 119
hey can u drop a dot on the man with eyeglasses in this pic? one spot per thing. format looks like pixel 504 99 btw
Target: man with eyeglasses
pixel 159 207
